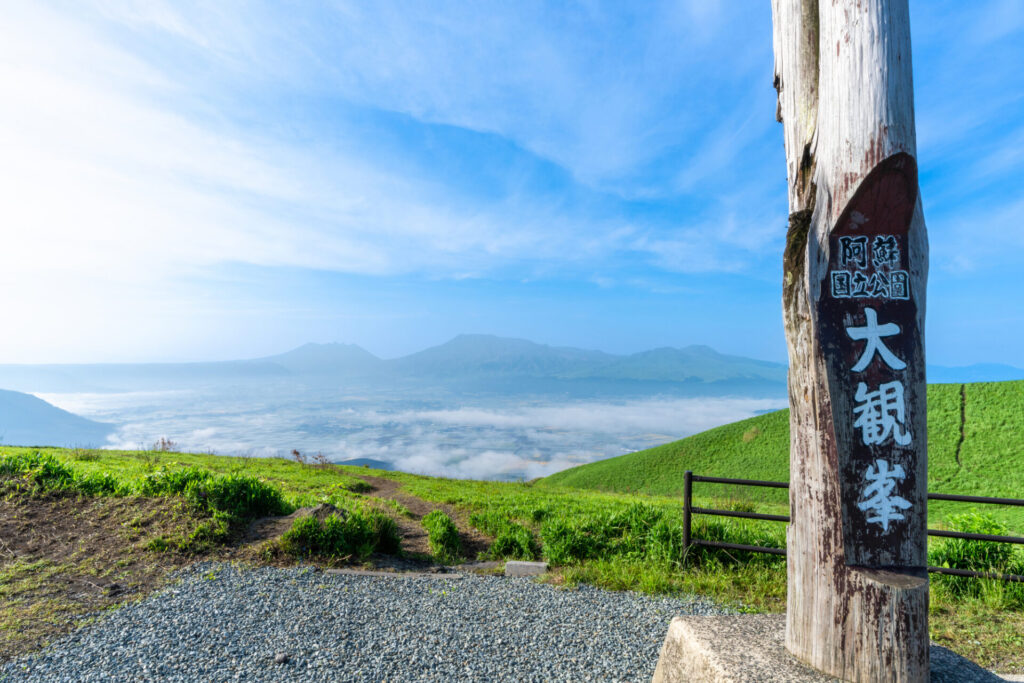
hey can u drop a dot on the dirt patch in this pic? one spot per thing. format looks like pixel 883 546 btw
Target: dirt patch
pixel 62 557
pixel 414 536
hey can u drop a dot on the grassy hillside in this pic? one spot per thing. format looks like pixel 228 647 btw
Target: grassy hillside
pixel 987 461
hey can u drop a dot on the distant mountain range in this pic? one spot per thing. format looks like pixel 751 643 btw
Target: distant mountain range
pixel 470 363
pixel 29 421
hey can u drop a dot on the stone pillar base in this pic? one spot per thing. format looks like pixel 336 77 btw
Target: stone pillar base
pixel 750 647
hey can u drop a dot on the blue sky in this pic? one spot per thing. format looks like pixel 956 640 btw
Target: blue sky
pixel 185 181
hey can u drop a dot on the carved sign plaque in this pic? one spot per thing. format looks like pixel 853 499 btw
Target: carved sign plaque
pixel 868 324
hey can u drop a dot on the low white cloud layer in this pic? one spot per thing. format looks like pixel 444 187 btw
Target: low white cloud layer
pixel 506 440
pixel 658 416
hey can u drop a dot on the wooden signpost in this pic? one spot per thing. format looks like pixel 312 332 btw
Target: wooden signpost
pixel 853 303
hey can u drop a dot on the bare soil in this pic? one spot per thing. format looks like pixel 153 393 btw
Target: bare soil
pixel 62 557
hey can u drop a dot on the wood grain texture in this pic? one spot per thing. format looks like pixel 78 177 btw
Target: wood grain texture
pixel 843 72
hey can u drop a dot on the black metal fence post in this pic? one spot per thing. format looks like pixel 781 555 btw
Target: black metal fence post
pixel 687 505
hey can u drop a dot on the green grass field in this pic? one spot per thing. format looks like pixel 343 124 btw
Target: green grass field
pixel 990 461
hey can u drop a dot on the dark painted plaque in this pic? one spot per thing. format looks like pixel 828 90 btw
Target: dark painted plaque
pixel 869 334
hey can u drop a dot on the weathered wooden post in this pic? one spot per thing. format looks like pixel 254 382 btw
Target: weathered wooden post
pixel 856 265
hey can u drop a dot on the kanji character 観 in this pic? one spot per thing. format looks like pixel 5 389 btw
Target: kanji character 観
pixel 878 496
pixel 881 414
pixel 872 332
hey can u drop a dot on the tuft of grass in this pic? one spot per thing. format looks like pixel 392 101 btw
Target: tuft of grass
pixel 396 506
pixel 34 472
pixel 158 544
pixel 980 556
pixel 512 541
pixel 355 533
pixel 84 455
pixel 442 536
pixel 238 496
pixel 164 482
pixel 355 486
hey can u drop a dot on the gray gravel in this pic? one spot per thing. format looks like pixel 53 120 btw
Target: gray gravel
pixel 222 623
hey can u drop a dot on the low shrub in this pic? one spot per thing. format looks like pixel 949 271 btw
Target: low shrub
pixel 443 536
pixel 386 534
pixel 228 501
pixel 621 532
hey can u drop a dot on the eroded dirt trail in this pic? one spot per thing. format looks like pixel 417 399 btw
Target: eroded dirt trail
pixel 414 536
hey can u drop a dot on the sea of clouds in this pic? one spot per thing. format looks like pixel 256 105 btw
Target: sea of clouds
pixel 479 439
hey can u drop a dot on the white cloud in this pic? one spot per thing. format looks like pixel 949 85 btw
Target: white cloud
pixel 662 416
pixel 495 441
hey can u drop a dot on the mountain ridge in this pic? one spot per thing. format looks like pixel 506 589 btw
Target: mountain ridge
pixel 27 420
pixel 467 362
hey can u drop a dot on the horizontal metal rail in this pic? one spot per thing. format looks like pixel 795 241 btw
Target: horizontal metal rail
pixel 689 508
pixel 1014 578
pixel 742 482
pixel 975 537
pixel 975 499
pixel 737 513
pixel 738 546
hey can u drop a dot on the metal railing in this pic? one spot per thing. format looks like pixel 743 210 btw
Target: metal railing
pixel 689 510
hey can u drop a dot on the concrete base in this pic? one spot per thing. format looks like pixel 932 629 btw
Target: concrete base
pixel 520 568
pixel 751 647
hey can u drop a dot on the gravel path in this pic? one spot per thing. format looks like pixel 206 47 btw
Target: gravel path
pixel 221 623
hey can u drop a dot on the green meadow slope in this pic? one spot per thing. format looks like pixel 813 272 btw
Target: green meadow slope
pixel 981 455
